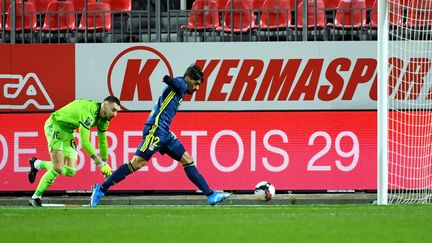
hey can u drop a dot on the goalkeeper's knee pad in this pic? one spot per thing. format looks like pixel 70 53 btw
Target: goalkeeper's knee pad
pixel 68 171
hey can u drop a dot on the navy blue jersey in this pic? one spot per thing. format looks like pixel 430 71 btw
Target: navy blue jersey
pixel 166 107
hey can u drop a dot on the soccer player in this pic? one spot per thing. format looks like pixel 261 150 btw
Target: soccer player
pixel 59 128
pixel 158 137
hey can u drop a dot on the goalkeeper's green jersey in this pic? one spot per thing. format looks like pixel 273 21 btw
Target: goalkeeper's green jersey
pixel 83 114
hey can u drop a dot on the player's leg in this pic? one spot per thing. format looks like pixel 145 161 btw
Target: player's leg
pixel 142 155
pixel 120 174
pixel 124 170
pixel 176 150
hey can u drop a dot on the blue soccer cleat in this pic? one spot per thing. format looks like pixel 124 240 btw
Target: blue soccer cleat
pixel 96 196
pixel 217 197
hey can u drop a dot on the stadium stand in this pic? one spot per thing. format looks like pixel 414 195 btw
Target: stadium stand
pixel 203 20
pixel 4 5
pixel 79 5
pixel 203 15
pixel 275 15
pixel 222 4
pixel 349 21
pixel 250 20
pixel 240 19
pixel 25 21
pixel 59 22
pixel 258 4
pixel 96 23
pixel 316 19
pixel 4 8
pixel 120 15
pixel 40 5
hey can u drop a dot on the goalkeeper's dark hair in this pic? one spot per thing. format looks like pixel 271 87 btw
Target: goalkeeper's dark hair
pixel 194 72
pixel 112 99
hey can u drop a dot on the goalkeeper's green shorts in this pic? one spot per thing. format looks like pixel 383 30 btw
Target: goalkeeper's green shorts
pixel 58 139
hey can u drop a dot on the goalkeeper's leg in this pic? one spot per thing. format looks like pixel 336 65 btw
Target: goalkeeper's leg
pixel 37 164
pixel 48 178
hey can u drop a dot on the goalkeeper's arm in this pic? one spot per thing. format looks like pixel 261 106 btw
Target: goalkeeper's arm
pixel 88 148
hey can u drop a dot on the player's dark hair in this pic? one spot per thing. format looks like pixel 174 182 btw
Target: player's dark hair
pixel 112 99
pixel 194 72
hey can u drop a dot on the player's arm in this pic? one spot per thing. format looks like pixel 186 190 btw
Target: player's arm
pixel 173 83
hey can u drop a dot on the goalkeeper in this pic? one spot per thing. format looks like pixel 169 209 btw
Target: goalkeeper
pixel 59 128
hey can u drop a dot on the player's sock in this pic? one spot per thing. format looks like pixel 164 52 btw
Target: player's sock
pixel 197 178
pixel 45 182
pixel 118 175
pixel 66 170
pixel 44 165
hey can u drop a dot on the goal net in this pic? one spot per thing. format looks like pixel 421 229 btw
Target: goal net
pixel 406 58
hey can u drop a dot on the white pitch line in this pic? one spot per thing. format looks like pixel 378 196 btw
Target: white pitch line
pixel 63 205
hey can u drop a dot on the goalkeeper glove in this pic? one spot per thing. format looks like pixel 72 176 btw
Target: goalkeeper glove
pixel 106 170
pixel 103 166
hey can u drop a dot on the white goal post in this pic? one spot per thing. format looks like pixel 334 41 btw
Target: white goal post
pixel 404 101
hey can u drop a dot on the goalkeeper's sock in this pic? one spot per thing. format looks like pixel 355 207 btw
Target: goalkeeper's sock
pixel 45 182
pixel 118 175
pixel 197 178
pixel 66 170
pixel 44 165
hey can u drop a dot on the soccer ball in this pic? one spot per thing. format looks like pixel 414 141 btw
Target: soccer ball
pixel 264 191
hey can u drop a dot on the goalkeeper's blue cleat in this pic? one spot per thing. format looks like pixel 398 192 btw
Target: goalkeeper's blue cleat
pixel 96 196
pixel 217 197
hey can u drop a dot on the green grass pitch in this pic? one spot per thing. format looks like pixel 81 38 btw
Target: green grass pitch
pixel 303 223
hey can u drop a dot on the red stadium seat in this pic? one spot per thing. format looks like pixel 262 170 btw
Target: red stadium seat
pixel 3 14
pixel 350 14
pixel 6 3
pixel 331 3
pixel 98 20
pixel 257 4
pixel 29 17
pixel 79 4
pixel 419 14
pixel 41 5
pixel 242 16
pixel 222 3
pixel 370 3
pixel 395 16
pixel 276 14
pixel 320 14
pixel 119 5
pixel 59 16
pixel 335 3
pixel 203 15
